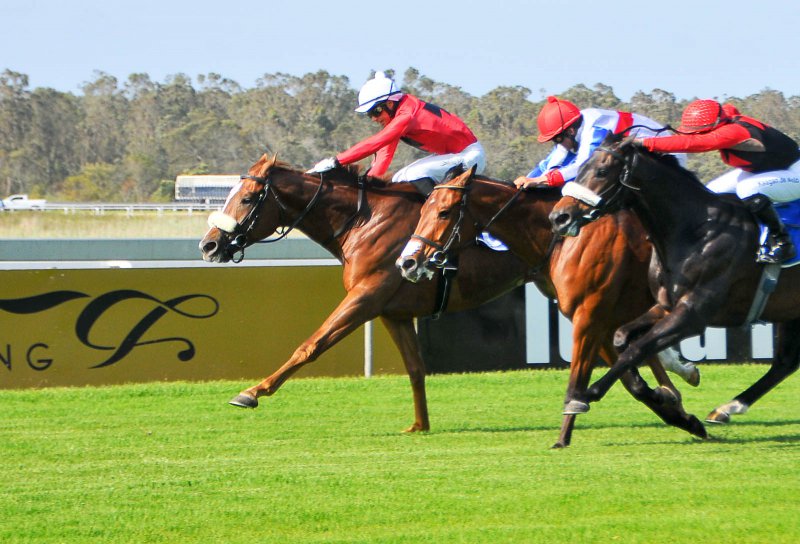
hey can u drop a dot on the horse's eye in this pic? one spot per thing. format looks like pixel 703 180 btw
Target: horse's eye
pixel 444 214
pixel 602 172
pixel 247 200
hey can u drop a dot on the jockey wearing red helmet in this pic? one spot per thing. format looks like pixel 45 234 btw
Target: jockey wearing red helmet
pixel 577 133
pixel 766 161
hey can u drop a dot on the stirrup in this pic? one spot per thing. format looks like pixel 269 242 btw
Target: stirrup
pixel 778 253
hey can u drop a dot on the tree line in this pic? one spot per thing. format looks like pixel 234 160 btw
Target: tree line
pixel 126 141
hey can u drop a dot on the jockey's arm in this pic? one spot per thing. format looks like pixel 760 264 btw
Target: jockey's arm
pixel 383 158
pixel 724 137
pixel 390 134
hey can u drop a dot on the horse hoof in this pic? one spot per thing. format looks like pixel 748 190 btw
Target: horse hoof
pixel 244 400
pixel 558 446
pixel 415 428
pixel 719 417
pixel 722 414
pixel 694 377
pixel 697 428
pixel 575 407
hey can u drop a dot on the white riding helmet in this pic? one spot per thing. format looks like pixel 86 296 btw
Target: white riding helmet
pixel 377 89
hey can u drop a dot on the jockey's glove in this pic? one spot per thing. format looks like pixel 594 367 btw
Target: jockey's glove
pixel 324 165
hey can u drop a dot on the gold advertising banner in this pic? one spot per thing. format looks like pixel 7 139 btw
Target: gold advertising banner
pixel 112 326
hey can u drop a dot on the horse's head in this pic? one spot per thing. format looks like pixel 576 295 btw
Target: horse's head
pixel 439 228
pixel 245 217
pixel 600 188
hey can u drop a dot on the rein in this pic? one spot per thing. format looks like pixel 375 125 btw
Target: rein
pixel 361 183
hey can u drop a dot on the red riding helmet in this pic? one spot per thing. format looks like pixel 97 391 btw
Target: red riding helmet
pixel 702 116
pixel 555 117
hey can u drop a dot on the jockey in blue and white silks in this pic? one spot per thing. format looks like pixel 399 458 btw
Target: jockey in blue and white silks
pixel 577 133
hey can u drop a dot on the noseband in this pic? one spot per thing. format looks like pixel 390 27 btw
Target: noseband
pixel 611 198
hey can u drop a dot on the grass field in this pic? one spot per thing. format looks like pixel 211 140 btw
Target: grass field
pixel 324 461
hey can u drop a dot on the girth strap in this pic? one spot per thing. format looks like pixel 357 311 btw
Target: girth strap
pixel 444 286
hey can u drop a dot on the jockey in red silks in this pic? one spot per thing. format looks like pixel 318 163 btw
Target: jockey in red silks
pixel 417 123
pixel 766 164
pixel 577 133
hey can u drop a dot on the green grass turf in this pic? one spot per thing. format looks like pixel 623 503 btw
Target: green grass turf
pixel 324 461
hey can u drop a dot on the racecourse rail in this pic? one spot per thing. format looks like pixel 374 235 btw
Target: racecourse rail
pixel 104 311
pixel 101 208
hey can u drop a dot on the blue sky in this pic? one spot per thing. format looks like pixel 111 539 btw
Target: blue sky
pixel 704 48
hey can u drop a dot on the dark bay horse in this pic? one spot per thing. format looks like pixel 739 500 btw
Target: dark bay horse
pixel 365 226
pixel 599 279
pixel 703 271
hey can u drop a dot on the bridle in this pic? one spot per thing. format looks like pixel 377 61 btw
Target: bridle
pixel 610 199
pixel 440 257
pixel 242 229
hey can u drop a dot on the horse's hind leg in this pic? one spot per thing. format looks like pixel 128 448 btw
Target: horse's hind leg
pixel 405 338
pixel 785 362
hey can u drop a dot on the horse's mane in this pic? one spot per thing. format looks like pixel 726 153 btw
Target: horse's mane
pixel 665 159
pixel 350 175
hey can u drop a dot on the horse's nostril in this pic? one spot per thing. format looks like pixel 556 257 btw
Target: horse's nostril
pixel 209 247
pixel 408 265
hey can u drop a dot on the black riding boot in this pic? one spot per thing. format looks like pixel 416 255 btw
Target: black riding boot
pixel 424 185
pixel 779 247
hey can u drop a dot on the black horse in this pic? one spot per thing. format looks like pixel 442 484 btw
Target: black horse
pixel 703 271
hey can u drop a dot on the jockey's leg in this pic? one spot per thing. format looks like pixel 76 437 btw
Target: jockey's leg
pixel 436 167
pixel 759 191
pixel 727 182
pixel 778 247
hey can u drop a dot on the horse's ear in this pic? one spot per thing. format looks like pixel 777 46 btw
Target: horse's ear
pixel 453 173
pixel 627 141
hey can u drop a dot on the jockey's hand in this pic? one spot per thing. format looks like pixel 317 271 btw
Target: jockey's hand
pixel 324 165
pixel 526 183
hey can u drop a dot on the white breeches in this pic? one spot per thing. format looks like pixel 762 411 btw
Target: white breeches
pixel 777 185
pixel 436 166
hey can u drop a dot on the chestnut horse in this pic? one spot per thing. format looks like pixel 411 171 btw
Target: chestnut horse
pixel 599 279
pixel 364 225
pixel 703 271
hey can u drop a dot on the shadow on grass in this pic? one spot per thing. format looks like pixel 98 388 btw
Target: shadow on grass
pixel 713 438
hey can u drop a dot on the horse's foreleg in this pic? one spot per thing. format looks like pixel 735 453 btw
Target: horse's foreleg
pixel 785 362
pixel 665 401
pixel 567 425
pixel 668 331
pixel 352 312
pixel 405 338
pixel 628 332
pixel 584 352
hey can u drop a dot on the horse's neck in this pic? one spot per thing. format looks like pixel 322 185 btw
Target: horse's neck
pixel 672 206
pixel 524 226
pixel 335 211
pixel 333 207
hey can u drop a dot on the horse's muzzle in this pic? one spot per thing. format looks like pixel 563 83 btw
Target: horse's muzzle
pixel 565 223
